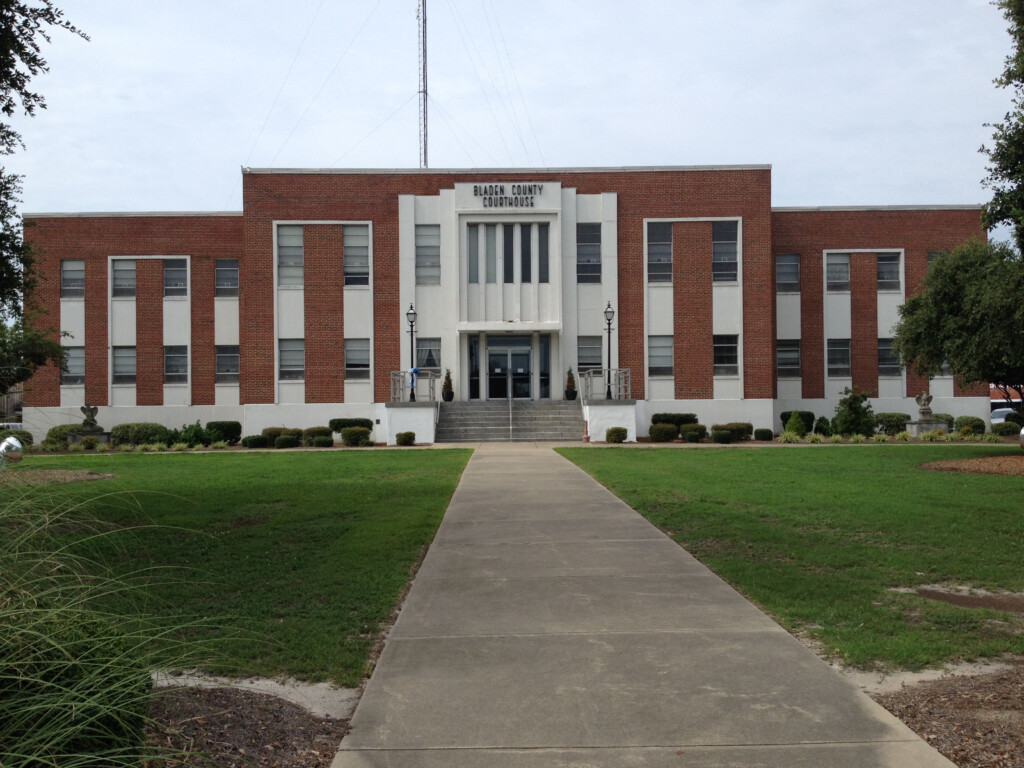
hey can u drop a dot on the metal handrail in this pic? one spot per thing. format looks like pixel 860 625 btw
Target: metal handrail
pixel 508 396
pixel 594 384
pixel 400 386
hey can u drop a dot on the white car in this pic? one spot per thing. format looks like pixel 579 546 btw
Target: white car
pixel 999 415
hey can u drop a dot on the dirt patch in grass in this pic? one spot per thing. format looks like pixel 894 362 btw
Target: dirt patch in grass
pixel 965 597
pixel 989 465
pixel 33 477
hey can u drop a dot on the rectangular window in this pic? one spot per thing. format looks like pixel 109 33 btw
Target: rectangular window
pixel 837 271
pixel 888 360
pixel 428 354
pixel 542 253
pixel 175 277
pixel 227 364
pixel 225 277
pixel 123 364
pixel 356 243
pixel 838 357
pixel 491 253
pixel 588 253
pixel 659 355
pixel 357 358
pixel 289 255
pixel 888 267
pixel 74 366
pixel 787 273
pixel 726 355
pixel 659 252
pixel 72 279
pixel 428 254
pixel 508 260
pixel 526 252
pixel 787 358
pixel 175 365
pixel 123 278
pixel 588 353
pixel 724 251
pixel 292 359
pixel 473 253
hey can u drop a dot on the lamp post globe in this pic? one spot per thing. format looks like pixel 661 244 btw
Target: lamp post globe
pixel 609 315
pixel 410 315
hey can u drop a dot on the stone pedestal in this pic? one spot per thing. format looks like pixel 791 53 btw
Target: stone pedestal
pixel 101 437
pixel 925 424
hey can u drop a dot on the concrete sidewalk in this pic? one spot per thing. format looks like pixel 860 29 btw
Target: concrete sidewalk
pixel 551 625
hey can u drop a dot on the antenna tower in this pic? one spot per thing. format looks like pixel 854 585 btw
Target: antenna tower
pixel 421 14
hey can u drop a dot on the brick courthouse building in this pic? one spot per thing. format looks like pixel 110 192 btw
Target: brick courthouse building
pixel 293 311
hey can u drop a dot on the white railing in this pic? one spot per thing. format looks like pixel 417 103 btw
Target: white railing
pixel 605 384
pixel 426 386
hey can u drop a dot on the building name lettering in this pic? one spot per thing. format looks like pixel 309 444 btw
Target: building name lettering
pixel 508 195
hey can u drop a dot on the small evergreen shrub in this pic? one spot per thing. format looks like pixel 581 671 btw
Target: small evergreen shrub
pixel 286 441
pixel 1006 429
pixel 1015 418
pixel 807 416
pixel 322 441
pixel 663 433
pixel 405 438
pixel 789 437
pixel 693 433
pixel 946 417
pixel 255 441
pixel 796 425
pixel 137 433
pixel 854 415
pixel 892 423
pixel 61 432
pixel 740 430
pixel 337 425
pixel 902 437
pixel 23 436
pixel 722 436
pixel 823 426
pixel 764 435
pixel 272 433
pixel 973 423
pixel 311 432
pixel 354 437
pixel 679 419
pixel 230 431
pixel 89 443
pixel 615 435
pixel 814 437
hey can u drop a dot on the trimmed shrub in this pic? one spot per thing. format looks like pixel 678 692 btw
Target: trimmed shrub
pixel 807 416
pixel 740 430
pixel 764 434
pixel 796 424
pixel 354 437
pixel 946 417
pixel 1006 429
pixel 230 431
pixel 321 441
pixel 311 432
pixel 405 438
pixel 61 431
pixel 272 433
pixel 255 441
pixel 337 425
pixel 615 435
pixel 854 415
pixel 286 441
pixel 679 419
pixel 823 426
pixel 789 437
pixel 972 423
pixel 663 433
pixel 693 433
pixel 1015 418
pixel 723 436
pixel 892 423
pixel 23 436
pixel 137 433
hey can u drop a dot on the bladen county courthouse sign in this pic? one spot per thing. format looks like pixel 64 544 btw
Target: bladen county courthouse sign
pixel 509 195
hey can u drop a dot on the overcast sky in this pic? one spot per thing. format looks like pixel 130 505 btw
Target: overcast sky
pixel 865 102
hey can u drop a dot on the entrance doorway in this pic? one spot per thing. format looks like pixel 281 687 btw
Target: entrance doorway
pixel 508 373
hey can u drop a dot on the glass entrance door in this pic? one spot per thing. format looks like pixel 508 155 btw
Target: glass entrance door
pixel 508 371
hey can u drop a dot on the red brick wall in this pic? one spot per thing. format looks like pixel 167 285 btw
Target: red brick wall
pixel 324 313
pixel 810 232
pixel 43 389
pixel 94 240
pixel 864 322
pixel 202 351
pixel 692 347
pixel 149 332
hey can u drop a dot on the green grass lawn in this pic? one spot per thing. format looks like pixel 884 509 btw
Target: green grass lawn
pixel 295 559
pixel 818 537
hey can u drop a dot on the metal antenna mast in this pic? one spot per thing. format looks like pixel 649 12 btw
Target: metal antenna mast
pixel 421 14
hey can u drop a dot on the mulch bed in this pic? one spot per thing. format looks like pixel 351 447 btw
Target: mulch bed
pixel 990 465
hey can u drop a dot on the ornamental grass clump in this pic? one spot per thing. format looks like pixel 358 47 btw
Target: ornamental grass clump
pixel 815 438
pixel 789 437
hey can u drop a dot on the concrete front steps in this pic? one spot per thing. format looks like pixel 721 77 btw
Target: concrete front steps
pixel 488 422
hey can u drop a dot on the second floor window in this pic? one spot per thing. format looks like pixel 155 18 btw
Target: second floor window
pixel 724 251
pixel 428 254
pixel 227 364
pixel 123 365
pixel 588 253
pixel 659 355
pixel 838 364
pixel 225 277
pixel 74 367
pixel 289 255
pixel 837 271
pixel 175 365
pixel 888 270
pixel 292 359
pixel 726 355
pixel 787 273
pixel 175 277
pixel 123 277
pixel 357 358
pixel 356 239
pixel 428 354
pixel 659 252
pixel 787 358
pixel 72 279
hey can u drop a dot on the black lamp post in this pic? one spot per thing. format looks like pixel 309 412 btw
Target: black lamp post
pixel 609 315
pixel 410 315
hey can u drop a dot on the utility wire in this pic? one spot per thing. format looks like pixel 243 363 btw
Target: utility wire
pixel 373 130
pixel 504 80
pixel 526 108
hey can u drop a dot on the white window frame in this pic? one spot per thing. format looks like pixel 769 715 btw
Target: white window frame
pixel 834 264
pixel 725 258
pixel 424 345
pixel 655 253
pixel 291 364
pixel 72 278
pixel 223 284
pixel 222 359
pixel 175 277
pixel 74 370
pixel 838 370
pixel 589 353
pixel 356 250
pixel 428 254
pixel 119 272
pixel 175 353
pixel 357 359
pixel 290 256
pixel 588 252
pixel 657 355
pixel 725 352
pixel 787 286
pixel 889 284
pixel 123 365
pixel 889 365
pixel 789 370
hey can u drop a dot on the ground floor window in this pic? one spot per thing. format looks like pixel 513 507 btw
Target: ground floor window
pixel 227 365
pixel 123 365
pixel 74 366
pixel 838 357
pixel 357 358
pixel 659 355
pixel 292 359
pixel 888 359
pixel 727 355
pixel 787 358
pixel 176 365
pixel 588 353
pixel 428 354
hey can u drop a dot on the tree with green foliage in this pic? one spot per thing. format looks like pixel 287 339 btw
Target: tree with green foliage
pixel 854 415
pixel 1006 155
pixel 25 343
pixel 796 424
pixel 969 315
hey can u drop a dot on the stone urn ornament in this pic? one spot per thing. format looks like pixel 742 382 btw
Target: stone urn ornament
pixel 924 404
pixel 89 424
